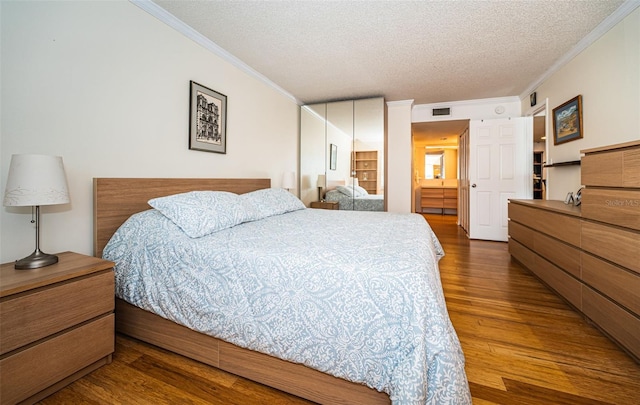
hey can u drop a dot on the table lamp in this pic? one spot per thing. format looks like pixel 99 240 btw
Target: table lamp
pixel 322 181
pixel 288 180
pixel 36 180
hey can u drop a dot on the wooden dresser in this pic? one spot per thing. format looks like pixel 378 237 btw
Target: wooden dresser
pixel 590 255
pixel 444 199
pixel 56 325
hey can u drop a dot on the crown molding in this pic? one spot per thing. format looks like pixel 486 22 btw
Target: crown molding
pixel 621 12
pixel 175 23
pixel 399 103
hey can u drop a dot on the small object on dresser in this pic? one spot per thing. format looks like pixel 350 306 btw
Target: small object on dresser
pixel 569 198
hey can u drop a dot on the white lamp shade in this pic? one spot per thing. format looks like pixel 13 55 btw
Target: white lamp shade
pixel 322 180
pixel 288 180
pixel 36 180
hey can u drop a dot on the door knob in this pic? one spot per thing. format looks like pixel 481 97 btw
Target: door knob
pixel 473 185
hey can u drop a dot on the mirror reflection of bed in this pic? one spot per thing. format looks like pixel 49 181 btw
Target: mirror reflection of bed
pixel 351 196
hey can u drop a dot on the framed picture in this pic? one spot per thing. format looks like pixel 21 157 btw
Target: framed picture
pixel 567 121
pixel 207 119
pixel 333 156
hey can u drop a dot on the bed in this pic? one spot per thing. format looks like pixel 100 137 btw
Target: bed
pixel 311 377
pixel 355 198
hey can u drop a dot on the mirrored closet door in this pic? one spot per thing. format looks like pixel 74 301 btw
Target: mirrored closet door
pixel 342 154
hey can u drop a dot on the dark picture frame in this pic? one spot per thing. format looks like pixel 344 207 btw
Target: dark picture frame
pixel 567 121
pixel 207 119
pixel 333 156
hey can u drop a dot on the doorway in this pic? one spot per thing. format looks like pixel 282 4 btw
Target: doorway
pixel 539 155
pixel 436 166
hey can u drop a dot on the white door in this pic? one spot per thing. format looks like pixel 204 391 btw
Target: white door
pixel 500 168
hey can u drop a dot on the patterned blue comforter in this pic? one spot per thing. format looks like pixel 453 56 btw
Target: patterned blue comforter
pixel 353 294
pixel 369 202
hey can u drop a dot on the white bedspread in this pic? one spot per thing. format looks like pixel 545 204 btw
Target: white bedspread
pixel 353 294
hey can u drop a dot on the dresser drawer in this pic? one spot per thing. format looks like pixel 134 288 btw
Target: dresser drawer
pixel 612 243
pixel 602 169
pixel 33 315
pixel 563 227
pixel 562 255
pixel 522 214
pixel 614 206
pixel 451 193
pixel 612 281
pixel 568 287
pixel 432 193
pixel 521 233
pixel 28 372
pixel 450 203
pixel 617 322
pixel 432 203
pixel 619 168
pixel 522 254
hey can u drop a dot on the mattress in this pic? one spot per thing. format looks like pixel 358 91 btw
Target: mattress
pixel 353 294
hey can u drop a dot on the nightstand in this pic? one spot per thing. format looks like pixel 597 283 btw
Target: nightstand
pixel 56 325
pixel 326 205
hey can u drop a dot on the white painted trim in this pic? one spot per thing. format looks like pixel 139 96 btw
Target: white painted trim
pixel 623 11
pixel 175 23
pixel 480 101
pixel 399 103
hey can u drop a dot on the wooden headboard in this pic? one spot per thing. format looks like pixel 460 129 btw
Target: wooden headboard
pixel 116 199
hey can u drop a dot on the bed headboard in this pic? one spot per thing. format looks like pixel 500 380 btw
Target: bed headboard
pixel 116 199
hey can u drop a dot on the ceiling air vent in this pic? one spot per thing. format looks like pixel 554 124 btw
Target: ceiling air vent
pixel 441 111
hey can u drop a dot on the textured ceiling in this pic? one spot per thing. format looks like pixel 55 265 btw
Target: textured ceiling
pixel 428 51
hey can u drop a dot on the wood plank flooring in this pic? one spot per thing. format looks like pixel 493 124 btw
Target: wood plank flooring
pixel 523 345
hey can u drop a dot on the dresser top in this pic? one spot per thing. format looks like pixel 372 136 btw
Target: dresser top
pixel 607 148
pixel 70 265
pixel 551 205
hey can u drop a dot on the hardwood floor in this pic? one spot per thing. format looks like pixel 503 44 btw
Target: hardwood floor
pixel 523 345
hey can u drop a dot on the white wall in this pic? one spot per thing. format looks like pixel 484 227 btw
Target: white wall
pixel 607 75
pixel 399 146
pixel 106 86
pixel 482 109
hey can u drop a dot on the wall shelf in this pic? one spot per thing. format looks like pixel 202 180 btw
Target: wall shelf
pixel 570 163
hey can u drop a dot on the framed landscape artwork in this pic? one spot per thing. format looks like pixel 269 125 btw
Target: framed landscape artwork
pixel 207 119
pixel 567 121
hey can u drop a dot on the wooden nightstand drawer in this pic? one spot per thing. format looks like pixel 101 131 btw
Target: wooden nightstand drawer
pixel 56 325
pixel 34 369
pixel 42 312
pixel 326 205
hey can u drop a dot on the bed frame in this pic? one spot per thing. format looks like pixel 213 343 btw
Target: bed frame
pixel 114 200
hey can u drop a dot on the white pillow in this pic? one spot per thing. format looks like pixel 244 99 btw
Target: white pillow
pixel 269 202
pixel 352 191
pixel 360 191
pixel 199 213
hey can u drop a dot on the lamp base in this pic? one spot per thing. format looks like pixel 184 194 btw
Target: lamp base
pixel 36 260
